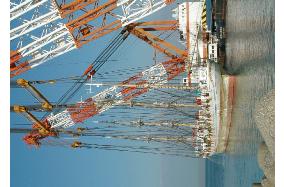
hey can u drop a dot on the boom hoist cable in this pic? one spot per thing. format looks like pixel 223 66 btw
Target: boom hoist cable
pixel 171 143
pixel 107 53
pixel 115 44
pixel 163 72
pixel 30 88
pixel 65 26
pixel 103 76
pixel 93 67
pixel 159 73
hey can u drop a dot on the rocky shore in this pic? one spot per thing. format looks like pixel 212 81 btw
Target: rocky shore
pixel 265 121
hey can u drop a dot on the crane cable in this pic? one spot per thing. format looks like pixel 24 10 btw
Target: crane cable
pixel 96 64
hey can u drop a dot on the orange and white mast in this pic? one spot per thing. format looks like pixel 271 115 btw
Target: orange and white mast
pixel 160 73
pixel 57 38
pixel 37 34
pixel 18 9
pixel 110 97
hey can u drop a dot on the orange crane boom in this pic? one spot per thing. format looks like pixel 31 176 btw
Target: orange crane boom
pixel 160 73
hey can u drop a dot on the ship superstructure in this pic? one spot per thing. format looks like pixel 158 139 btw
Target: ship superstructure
pixel 195 26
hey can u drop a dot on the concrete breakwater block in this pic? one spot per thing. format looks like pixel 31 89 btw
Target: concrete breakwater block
pixel 266 162
pixel 256 185
pixel 266 183
pixel 265 119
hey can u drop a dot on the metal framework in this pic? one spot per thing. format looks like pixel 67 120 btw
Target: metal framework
pixel 68 9
pixel 58 41
pixel 107 17
pixel 19 9
pixel 54 41
pixel 158 74
pixel 142 31
pixel 44 12
pixel 128 11
pixel 58 38
pixel 35 92
pixel 35 46
pixel 115 95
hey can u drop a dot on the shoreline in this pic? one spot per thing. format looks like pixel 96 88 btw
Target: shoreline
pixel 265 121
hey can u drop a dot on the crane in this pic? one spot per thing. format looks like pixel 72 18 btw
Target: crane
pixel 143 32
pixel 47 106
pixel 160 73
pixel 57 37
pixel 39 108
pixel 103 57
pixel 158 142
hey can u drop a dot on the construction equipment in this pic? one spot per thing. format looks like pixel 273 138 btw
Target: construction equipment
pixel 160 73
pixel 25 84
pixel 57 37
pixel 142 31
pixel 40 128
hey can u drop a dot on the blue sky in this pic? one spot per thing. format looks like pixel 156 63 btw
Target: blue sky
pixel 58 166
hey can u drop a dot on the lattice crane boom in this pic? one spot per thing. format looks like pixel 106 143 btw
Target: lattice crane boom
pixel 24 7
pixel 57 38
pixel 36 47
pixel 160 73
pixel 142 31
pixel 36 19
pixel 57 42
pixel 68 9
pixel 109 17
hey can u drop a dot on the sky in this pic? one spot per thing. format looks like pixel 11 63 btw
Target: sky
pixel 59 166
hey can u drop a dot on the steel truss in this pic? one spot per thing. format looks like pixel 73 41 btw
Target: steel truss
pixel 93 24
pixel 109 17
pixel 36 19
pixel 158 74
pixel 55 41
pixel 24 7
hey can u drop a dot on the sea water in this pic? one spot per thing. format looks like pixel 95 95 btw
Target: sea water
pixel 250 57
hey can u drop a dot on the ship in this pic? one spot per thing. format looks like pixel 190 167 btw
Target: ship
pixel 197 31
pixel 205 81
